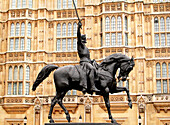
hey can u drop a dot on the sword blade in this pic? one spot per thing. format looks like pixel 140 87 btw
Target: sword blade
pixel 76 10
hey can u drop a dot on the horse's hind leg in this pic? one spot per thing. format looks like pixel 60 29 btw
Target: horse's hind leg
pixel 63 107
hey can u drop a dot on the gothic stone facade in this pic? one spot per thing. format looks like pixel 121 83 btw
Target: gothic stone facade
pixel 34 33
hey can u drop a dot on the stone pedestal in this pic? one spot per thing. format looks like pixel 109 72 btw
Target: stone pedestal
pixel 81 124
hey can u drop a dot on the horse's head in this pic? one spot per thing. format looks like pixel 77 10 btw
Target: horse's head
pixel 126 67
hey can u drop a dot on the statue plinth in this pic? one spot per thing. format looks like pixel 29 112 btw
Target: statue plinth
pixel 81 124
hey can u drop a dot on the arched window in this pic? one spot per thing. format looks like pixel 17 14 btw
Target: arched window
pixel 58 4
pixel 74 29
pixel 17 29
pixel 119 23
pixel 64 29
pixel 30 3
pixel 15 72
pixel 64 44
pixel 21 73
pixel 164 70
pixel 12 29
pixel 69 3
pixel 119 39
pixel 64 4
pixel 113 41
pixel 158 70
pixel 24 3
pixel 18 3
pixel 113 23
pixel 107 39
pixel 156 39
pixel 168 23
pixel 162 39
pixel 74 92
pixel 69 29
pixel 107 25
pixel 16 44
pixel 156 25
pixel 13 3
pixel 27 73
pixel 58 45
pixel 10 73
pixel 162 24
pixel 22 29
pixel 58 29
pixel 126 24
pixel 29 29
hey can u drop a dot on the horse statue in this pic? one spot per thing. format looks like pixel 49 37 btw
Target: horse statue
pixel 67 78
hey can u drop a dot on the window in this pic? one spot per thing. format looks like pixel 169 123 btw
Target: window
pixel 156 25
pixel 156 39
pixel 9 88
pixel 69 3
pixel 69 92
pixel 28 44
pixel 64 44
pixel 11 44
pixel 168 23
pixel 107 39
pixel 74 92
pixel 12 29
pixel 17 44
pixel 165 87
pixel 158 70
pixel 15 73
pixel 75 44
pixel 69 29
pixel 127 84
pixel 18 3
pixel 120 84
pixel 126 39
pixel 20 89
pixel 22 44
pixel 21 73
pixel 27 73
pixel 22 29
pixel 75 1
pixel 126 24
pixel 113 24
pixel 58 45
pixel 10 73
pixel 23 3
pixel 58 4
pixel 68 44
pixel 113 41
pixel 162 24
pixel 168 39
pixel 169 69
pixel 27 87
pixel 164 71
pixel 64 30
pixel 30 3
pixel 64 4
pixel 15 88
pixel 58 29
pixel 119 39
pixel 13 3
pixel 74 29
pixel 162 39
pixel 17 29
pixel 107 25
pixel 158 85
pixel 119 23
pixel 29 29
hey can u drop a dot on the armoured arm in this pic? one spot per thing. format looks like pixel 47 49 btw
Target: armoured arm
pixel 79 41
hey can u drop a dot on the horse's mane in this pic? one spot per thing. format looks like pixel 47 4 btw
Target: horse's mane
pixel 114 57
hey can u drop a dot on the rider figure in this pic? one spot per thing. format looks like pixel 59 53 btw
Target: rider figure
pixel 85 62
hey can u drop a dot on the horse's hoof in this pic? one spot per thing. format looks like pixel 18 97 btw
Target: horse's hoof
pixel 51 121
pixel 130 104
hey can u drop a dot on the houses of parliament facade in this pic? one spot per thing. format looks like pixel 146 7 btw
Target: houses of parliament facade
pixel 34 33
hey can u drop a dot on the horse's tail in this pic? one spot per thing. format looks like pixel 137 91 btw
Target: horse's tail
pixel 43 74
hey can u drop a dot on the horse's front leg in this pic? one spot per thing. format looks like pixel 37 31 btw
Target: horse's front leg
pixel 107 103
pixel 120 89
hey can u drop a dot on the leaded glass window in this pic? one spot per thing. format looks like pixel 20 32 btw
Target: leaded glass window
pixel 74 29
pixel 126 24
pixel 168 39
pixel 156 24
pixel 22 29
pixel 27 88
pixel 21 73
pixel 12 29
pixel 156 39
pixel 64 29
pixel 28 44
pixel 74 44
pixel 113 24
pixel 20 89
pixel 13 3
pixel 164 70
pixel 17 29
pixel 158 85
pixel 22 44
pixel 24 3
pixel 119 23
pixel 30 3
pixel 58 44
pixel 69 29
pixel 29 29
pixel 18 3
pixel 9 88
pixel 107 39
pixel 168 23
pixel 69 3
pixel 15 88
pixel 15 73
pixel 107 25
pixel 158 70
pixel 68 44
pixel 113 41
pixel 74 92
pixel 27 76
pixel 17 44
pixel 165 86
pixel 58 29
pixel 64 44
pixel 119 39
pixel 10 73
pixel 162 39
pixel 11 44
pixel 58 4
pixel 162 24
pixel 64 4
pixel 126 39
